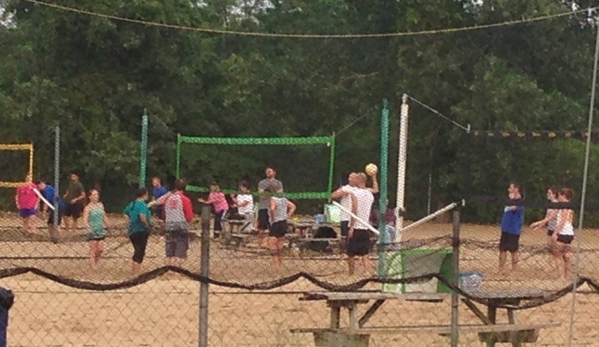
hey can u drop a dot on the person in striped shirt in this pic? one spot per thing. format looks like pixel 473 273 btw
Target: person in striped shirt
pixel 178 213
pixel 551 221
pixel 280 209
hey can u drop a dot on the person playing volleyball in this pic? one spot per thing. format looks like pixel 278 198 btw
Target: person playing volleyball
pixel 345 199
pixel 178 212
pixel 511 228
pixel 564 234
pixel 358 241
pixel 94 217
pixel 551 221
pixel 245 205
pixel 139 229
pixel 263 185
pixel 280 210
pixel 219 203
pixel 27 201
pixel 74 200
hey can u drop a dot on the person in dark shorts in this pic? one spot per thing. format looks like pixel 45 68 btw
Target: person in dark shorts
pixel 511 228
pixel 263 185
pixel 178 214
pixel 139 228
pixel 74 203
pixel 358 243
pixel 49 193
pixel 280 210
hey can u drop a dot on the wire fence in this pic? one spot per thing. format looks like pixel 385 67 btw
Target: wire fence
pixel 312 301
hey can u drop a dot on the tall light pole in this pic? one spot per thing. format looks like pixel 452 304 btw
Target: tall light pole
pixel 585 174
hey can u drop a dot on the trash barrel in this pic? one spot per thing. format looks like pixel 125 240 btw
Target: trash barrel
pixel 7 298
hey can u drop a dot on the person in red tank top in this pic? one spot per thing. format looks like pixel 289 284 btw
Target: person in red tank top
pixel 178 213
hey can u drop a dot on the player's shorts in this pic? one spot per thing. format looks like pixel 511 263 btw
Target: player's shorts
pixel 263 222
pixel 344 228
pixel 550 232
pixel 567 239
pixel 176 243
pixel 96 235
pixel 27 212
pixel 359 244
pixel 509 242
pixel 139 240
pixel 278 229
pixel 74 210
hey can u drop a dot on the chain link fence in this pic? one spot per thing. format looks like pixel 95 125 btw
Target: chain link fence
pixel 60 301
pixel 438 283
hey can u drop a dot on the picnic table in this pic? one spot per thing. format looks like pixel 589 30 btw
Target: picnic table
pixel 236 231
pixel 302 227
pixel 358 335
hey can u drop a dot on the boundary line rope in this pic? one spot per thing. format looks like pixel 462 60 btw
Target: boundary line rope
pixel 306 36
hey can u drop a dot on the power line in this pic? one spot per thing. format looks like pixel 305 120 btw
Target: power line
pixel 304 36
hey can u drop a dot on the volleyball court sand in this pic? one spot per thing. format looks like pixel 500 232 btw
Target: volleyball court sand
pixel 164 311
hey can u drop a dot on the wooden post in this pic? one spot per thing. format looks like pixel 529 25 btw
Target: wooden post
pixel 455 280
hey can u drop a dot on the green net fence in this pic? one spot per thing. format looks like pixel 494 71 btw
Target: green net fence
pixel 240 156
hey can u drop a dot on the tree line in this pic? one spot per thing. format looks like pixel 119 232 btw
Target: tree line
pixel 96 76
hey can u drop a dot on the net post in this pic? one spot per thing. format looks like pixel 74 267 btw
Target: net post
pixel 401 165
pixel 331 165
pixel 55 225
pixel 455 279
pixel 585 176
pixel 31 160
pixel 204 273
pixel 383 239
pixel 177 170
pixel 143 149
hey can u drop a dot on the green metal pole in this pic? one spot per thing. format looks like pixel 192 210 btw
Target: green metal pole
pixel 144 150
pixel 383 239
pixel 178 169
pixel 331 165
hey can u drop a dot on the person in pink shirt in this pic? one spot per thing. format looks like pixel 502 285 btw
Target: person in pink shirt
pixel 219 202
pixel 27 202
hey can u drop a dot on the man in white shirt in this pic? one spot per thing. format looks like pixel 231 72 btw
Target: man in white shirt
pixel 343 194
pixel 359 243
pixel 245 205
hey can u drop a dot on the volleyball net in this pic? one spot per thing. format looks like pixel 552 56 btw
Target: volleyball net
pixel 312 157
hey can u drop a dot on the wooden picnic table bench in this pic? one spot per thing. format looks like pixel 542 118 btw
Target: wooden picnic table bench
pixel 357 335
pixel 236 231
pixel 305 228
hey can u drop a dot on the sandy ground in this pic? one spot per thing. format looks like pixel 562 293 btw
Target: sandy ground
pixel 164 311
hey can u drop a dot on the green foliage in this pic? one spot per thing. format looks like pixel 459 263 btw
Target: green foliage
pixel 96 76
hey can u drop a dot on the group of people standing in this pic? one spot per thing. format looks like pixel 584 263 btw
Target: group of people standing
pixel 32 197
pixel 560 229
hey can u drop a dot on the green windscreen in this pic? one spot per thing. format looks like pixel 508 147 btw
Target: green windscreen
pixel 304 164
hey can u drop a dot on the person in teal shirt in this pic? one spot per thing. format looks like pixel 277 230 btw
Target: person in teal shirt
pixel 139 229
pixel 96 221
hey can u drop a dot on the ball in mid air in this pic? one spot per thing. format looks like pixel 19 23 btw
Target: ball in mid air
pixel 371 169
